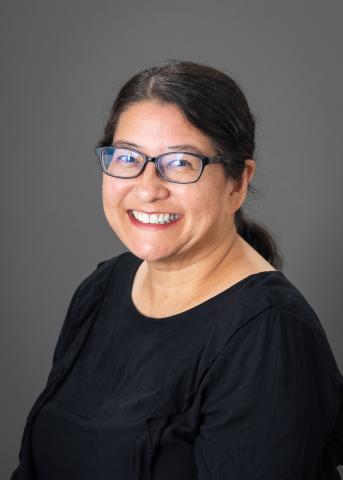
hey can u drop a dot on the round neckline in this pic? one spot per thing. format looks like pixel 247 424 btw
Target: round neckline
pixel 195 308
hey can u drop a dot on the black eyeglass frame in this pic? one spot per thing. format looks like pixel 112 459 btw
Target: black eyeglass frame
pixel 205 160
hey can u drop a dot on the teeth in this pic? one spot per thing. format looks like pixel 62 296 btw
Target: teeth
pixel 155 217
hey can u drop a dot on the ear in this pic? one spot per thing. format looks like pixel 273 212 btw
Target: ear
pixel 240 187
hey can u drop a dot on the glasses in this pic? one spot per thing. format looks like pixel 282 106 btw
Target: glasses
pixel 175 167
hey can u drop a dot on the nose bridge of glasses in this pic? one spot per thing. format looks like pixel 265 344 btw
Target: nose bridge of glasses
pixel 155 169
pixel 151 159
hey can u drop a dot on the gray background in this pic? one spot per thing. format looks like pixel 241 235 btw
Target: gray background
pixel 62 64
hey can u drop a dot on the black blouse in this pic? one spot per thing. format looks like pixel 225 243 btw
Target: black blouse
pixel 243 386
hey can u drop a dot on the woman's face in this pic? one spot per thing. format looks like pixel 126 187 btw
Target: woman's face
pixel 206 207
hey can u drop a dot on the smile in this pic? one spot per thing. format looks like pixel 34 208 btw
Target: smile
pixel 153 221
pixel 155 218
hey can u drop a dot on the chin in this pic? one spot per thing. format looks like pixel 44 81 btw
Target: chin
pixel 149 253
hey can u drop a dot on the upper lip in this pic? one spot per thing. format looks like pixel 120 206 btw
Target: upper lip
pixel 150 213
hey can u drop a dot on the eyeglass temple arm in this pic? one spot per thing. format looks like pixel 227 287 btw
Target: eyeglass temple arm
pixel 218 159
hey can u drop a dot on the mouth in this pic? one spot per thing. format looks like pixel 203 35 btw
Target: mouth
pixel 153 218
pixel 151 213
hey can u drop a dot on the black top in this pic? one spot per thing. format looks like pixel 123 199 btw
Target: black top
pixel 243 386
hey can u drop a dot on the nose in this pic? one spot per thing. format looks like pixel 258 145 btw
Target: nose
pixel 149 186
pixel 150 170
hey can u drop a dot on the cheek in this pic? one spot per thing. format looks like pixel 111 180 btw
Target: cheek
pixel 107 195
pixel 200 208
pixel 209 207
pixel 113 191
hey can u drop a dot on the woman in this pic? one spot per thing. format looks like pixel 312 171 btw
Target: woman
pixel 191 355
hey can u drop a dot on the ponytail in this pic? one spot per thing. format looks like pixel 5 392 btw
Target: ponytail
pixel 259 238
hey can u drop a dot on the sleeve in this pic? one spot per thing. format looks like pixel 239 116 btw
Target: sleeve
pixel 68 325
pixel 269 405
pixel 85 298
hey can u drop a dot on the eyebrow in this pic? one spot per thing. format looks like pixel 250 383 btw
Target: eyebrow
pixel 184 146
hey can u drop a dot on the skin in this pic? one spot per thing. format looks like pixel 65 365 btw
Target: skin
pixel 202 254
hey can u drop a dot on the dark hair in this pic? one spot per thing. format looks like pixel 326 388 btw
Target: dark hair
pixel 215 104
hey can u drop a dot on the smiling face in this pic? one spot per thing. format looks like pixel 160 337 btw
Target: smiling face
pixel 206 207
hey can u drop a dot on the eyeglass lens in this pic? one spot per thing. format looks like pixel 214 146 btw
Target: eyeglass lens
pixel 174 166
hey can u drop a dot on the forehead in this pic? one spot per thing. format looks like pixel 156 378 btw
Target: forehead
pixel 150 124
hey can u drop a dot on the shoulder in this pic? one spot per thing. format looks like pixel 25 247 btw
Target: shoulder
pixel 282 294
pixel 275 345
pixel 272 292
pixel 99 276
pixel 91 289
pixel 84 303
pixel 122 259
pixel 269 312
pixel 296 317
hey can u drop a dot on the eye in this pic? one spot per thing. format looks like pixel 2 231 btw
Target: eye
pixel 126 159
pixel 179 162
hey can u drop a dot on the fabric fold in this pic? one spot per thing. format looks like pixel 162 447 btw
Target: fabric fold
pixel 75 328
pixel 145 448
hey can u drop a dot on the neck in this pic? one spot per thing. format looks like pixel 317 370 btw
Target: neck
pixel 185 279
